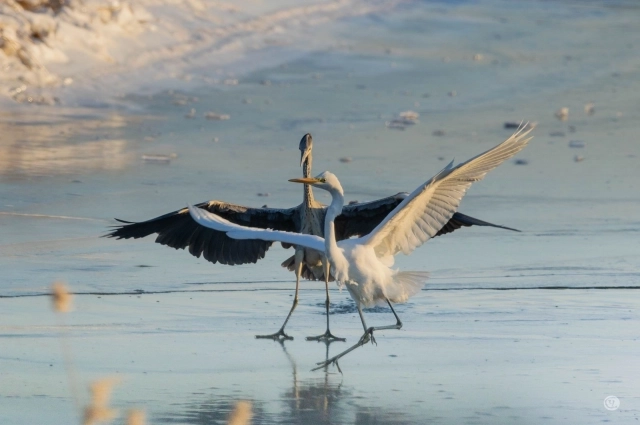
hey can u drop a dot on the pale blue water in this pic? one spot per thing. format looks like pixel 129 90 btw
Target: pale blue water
pixel 470 356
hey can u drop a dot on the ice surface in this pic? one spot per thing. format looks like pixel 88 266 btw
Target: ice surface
pixel 532 327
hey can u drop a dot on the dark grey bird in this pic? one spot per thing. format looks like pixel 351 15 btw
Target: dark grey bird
pixel 178 230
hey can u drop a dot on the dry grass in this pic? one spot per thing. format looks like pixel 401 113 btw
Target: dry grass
pixel 242 414
pixel 136 417
pixel 61 297
pixel 98 409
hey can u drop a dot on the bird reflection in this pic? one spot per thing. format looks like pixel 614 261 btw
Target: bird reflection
pixel 319 400
pixel 314 400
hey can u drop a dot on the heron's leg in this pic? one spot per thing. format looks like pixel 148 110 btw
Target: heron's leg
pixel 368 336
pixel 299 256
pixel 327 335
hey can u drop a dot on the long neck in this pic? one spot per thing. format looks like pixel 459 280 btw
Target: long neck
pixel 306 172
pixel 333 211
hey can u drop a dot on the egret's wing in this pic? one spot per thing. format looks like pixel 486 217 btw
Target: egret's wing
pixel 235 231
pixel 178 230
pixel 422 214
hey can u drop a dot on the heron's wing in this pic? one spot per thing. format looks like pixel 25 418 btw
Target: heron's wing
pixel 235 231
pixel 361 218
pixel 462 220
pixel 178 230
pixel 422 214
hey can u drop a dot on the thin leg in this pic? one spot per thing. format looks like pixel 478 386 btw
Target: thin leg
pixel 327 335
pixel 280 334
pixel 366 337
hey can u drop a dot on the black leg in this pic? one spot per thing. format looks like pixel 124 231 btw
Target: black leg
pixel 366 337
pixel 327 335
pixel 280 334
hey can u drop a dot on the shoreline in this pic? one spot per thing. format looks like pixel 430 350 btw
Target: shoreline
pixel 75 56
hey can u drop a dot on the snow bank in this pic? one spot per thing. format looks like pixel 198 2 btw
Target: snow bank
pixel 48 44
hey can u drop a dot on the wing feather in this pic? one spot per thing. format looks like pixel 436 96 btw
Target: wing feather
pixel 178 230
pixel 361 218
pixel 425 212
pixel 235 231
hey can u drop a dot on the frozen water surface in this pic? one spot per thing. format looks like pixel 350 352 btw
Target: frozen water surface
pixel 179 331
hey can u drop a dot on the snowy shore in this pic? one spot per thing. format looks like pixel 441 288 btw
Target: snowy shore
pixel 89 47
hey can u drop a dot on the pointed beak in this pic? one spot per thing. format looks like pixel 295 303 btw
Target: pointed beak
pixel 306 144
pixel 303 155
pixel 305 180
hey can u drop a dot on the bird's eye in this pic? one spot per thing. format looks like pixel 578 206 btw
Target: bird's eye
pixel 322 181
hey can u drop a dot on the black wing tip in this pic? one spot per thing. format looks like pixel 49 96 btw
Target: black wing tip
pixel 497 226
pixel 117 234
pixel 124 221
pixel 467 220
pixel 118 231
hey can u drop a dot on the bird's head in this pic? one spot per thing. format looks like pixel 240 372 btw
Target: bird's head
pixel 306 144
pixel 326 180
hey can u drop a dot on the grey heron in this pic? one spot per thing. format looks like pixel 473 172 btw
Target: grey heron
pixel 363 264
pixel 178 230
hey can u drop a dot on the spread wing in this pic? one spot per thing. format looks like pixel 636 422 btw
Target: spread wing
pixel 360 219
pixel 235 231
pixel 462 220
pixel 178 230
pixel 422 214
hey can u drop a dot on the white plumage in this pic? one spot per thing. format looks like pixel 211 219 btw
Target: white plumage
pixel 364 265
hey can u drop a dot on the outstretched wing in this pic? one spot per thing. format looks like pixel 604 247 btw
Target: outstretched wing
pixel 456 222
pixel 361 218
pixel 178 230
pixel 235 231
pixel 462 220
pixel 421 215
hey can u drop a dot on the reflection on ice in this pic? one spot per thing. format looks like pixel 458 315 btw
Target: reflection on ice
pixel 46 146
pixel 210 412
pixel 46 159
pixel 321 400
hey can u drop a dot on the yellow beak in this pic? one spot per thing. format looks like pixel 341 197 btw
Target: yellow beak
pixel 305 180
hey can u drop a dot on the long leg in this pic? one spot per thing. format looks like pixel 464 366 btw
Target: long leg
pixel 299 256
pixel 366 337
pixel 327 335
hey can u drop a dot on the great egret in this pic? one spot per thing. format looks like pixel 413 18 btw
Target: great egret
pixel 363 264
pixel 177 230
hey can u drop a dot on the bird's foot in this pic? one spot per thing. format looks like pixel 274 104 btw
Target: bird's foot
pixel 368 336
pixel 326 337
pixel 278 336
pixel 325 364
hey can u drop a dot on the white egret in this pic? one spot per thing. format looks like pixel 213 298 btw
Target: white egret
pixel 177 230
pixel 363 264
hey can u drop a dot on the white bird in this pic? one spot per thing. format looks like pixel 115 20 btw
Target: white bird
pixel 363 264
pixel 177 230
